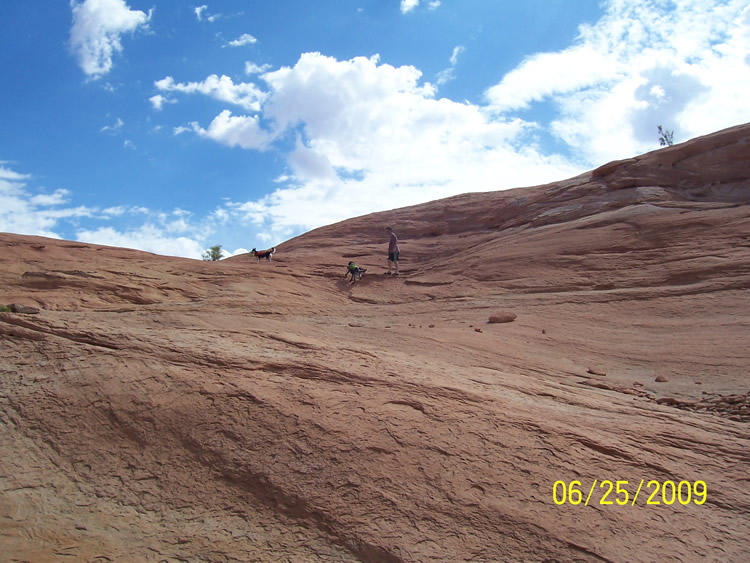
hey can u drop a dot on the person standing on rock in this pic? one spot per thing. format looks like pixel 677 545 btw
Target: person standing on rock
pixel 393 251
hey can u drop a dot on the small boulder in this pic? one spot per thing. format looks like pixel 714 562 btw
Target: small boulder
pixel 16 308
pixel 661 379
pixel 505 317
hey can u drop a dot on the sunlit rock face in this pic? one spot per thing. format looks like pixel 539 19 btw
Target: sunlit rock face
pixel 163 408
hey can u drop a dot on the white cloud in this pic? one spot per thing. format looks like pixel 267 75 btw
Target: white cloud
pixel 433 5
pixel 112 128
pixel 11 176
pixel 115 211
pixel 408 5
pixel 244 39
pixel 23 212
pixel 341 98
pixel 644 63
pixel 237 251
pixel 449 73
pixel 58 197
pixel 174 233
pixel 235 130
pixel 245 94
pixel 252 68
pixel 201 10
pixel 148 237
pixel 369 136
pixel 97 28
pixel 456 51
pixel 158 101
pixel 546 74
pixel 48 214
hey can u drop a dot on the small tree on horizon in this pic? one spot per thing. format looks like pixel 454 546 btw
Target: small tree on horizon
pixel 666 138
pixel 212 254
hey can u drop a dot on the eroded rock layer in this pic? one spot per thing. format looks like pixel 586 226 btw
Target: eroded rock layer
pixel 156 408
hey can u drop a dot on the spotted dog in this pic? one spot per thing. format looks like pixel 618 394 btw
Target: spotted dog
pixel 260 254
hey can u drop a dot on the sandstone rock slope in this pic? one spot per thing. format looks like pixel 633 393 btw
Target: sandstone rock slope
pixel 159 408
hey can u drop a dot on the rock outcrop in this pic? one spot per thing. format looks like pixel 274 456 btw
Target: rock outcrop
pixel 168 409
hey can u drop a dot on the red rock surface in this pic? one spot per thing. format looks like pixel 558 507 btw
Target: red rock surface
pixel 167 409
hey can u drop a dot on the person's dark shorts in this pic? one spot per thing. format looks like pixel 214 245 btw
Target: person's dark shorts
pixel 393 257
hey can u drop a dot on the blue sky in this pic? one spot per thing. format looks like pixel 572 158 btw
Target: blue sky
pixel 171 126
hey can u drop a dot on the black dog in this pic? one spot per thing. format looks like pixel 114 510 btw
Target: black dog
pixel 267 254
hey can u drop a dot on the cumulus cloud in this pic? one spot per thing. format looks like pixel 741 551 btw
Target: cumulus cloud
pixel 252 68
pixel 546 74
pixel 58 197
pixel 245 94
pixel 408 5
pixel 173 233
pixel 244 39
pixel 11 177
pixel 367 136
pixel 96 31
pixel 29 211
pixel 148 237
pixel 371 136
pixel 158 101
pixel 234 130
pixel 201 14
pixel 25 212
pixel 342 100
pixel 644 63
